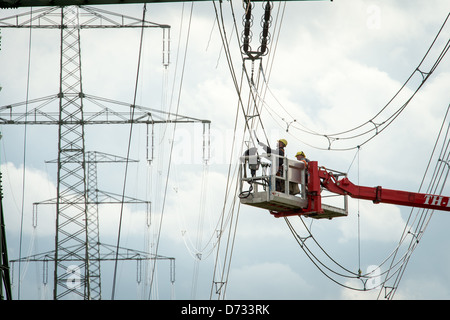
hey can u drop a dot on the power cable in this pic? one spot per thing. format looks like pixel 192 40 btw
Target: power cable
pixel 24 156
pixel 171 147
pixel 238 88
pixel 376 127
pixel 128 151
pixel 331 138
pixel 329 271
pixel 398 264
pixel 419 230
pixel 359 221
pixel 253 94
pixel 200 221
pixel 396 268
pixel 249 124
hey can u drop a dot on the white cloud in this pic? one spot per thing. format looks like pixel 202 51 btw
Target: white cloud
pixel 336 64
pixel 38 188
pixel 268 280
pixel 431 288
pixel 348 294
pixel 378 222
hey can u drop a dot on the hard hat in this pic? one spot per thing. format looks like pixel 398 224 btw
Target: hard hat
pixel 284 141
pixel 300 153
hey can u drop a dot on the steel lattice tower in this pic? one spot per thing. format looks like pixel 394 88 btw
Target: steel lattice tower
pixel 77 248
pixel 92 158
pixel 71 239
pixel 93 237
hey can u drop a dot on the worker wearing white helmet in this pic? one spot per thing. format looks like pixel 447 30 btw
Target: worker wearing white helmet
pixel 282 143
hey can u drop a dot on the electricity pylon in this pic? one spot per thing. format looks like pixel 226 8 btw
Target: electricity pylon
pixel 5 279
pixel 72 233
pixel 96 248
pixel 92 223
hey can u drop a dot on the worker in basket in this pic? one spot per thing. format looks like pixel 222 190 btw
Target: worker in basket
pixel 282 143
pixel 301 157
pixel 293 188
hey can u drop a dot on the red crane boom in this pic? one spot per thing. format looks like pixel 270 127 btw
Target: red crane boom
pixel 382 195
pixel 320 177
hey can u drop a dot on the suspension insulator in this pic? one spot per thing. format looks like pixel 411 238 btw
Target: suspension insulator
pixel 246 36
pixel 266 21
pixel 267 10
pixel 247 22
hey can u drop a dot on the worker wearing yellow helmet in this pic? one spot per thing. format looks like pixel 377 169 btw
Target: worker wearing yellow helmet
pixel 300 154
pixel 284 143
pixel 301 157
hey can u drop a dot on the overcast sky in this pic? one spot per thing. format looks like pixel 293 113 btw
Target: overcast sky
pixel 332 66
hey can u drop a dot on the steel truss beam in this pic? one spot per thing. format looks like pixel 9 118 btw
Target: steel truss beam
pixel 106 253
pixel 101 111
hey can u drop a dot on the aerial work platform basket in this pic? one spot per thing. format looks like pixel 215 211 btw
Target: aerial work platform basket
pixel 287 187
pixel 280 185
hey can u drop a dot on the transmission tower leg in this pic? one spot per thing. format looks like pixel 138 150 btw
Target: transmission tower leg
pixel 93 228
pixel 5 279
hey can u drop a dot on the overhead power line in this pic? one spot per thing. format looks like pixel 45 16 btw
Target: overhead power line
pixel 372 127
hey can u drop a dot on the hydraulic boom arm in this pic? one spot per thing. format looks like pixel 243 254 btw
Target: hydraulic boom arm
pixel 379 194
pixel 276 192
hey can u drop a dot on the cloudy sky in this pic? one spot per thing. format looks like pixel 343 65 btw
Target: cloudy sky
pixel 325 86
